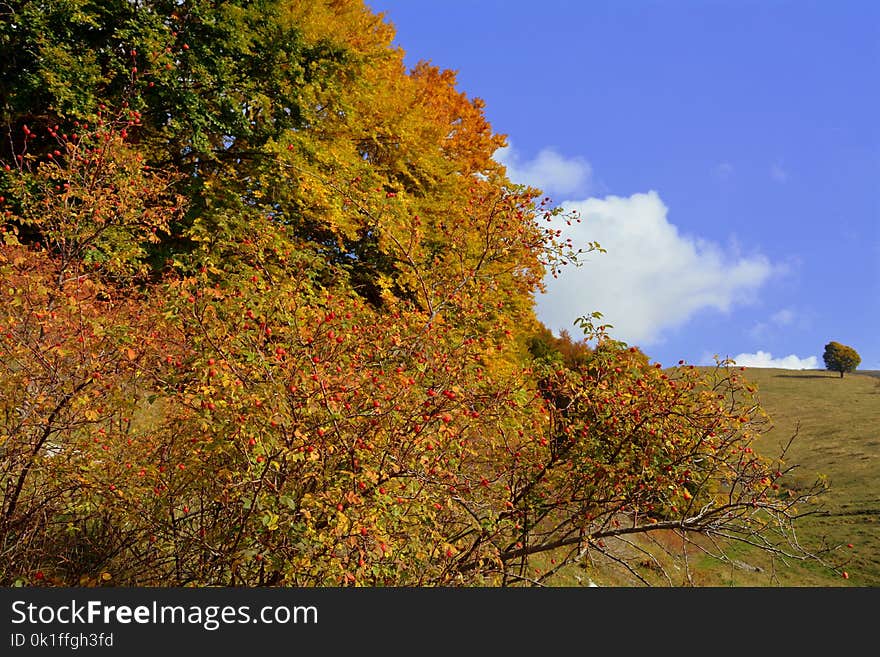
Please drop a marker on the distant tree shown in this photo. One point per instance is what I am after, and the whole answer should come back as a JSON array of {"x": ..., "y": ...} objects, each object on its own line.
[
  {"x": 840, "y": 358},
  {"x": 564, "y": 350}
]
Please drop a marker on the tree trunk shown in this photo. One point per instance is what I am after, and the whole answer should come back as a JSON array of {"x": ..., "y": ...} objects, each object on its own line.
[{"x": 841, "y": 374}]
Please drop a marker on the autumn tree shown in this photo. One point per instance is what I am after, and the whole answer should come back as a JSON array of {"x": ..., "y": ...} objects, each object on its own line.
[{"x": 840, "y": 358}]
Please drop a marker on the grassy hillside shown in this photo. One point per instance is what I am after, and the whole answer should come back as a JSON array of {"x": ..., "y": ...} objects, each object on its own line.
[{"x": 837, "y": 422}]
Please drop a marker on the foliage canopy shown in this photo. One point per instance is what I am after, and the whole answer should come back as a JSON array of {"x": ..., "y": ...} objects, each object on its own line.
[{"x": 840, "y": 358}]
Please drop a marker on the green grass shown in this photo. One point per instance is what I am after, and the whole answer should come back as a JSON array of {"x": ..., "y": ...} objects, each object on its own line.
[
  {"x": 838, "y": 426},
  {"x": 837, "y": 422}
]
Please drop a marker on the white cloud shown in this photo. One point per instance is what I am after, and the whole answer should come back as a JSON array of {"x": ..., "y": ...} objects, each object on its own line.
[
  {"x": 779, "y": 319},
  {"x": 778, "y": 174},
  {"x": 765, "y": 359},
  {"x": 783, "y": 317},
  {"x": 653, "y": 279},
  {"x": 550, "y": 171}
]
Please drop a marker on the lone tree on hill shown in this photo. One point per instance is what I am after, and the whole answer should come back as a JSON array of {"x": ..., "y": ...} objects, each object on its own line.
[{"x": 840, "y": 358}]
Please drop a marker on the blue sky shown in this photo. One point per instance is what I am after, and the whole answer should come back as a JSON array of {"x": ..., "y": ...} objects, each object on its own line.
[{"x": 725, "y": 153}]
